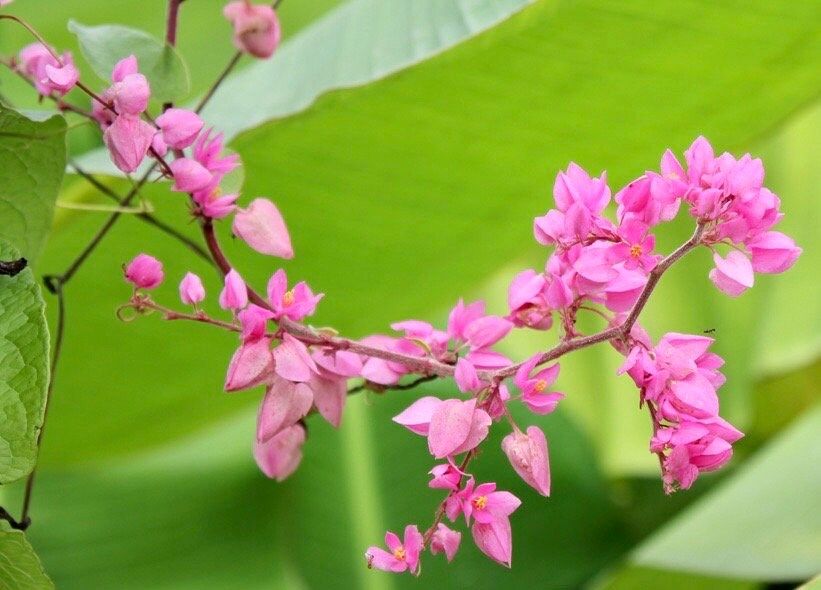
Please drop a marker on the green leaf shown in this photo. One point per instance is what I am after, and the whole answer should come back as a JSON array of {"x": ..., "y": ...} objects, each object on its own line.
[
  {"x": 104, "y": 45},
  {"x": 20, "y": 568},
  {"x": 32, "y": 161},
  {"x": 639, "y": 577},
  {"x": 762, "y": 524},
  {"x": 23, "y": 370}
]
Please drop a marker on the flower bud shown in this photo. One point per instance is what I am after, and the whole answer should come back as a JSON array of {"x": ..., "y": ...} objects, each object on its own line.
[
  {"x": 124, "y": 67},
  {"x": 131, "y": 95},
  {"x": 445, "y": 540},
  {"x": 773, "y": 252},
  {"x": 62, "y": 79},
  {"x": 256, "y": 28},
  {"x": 144, "y": 272},
  {"x": 128, "y": 139},
  {"x": 261, "y": 226},
  {"x": 279, "y": 456},
  {"x": 179, "y": 127},
  {"x": 189, "y": 175},
  {"x": 191, "y": 289},
  {"x": 734, "y": 274},
  {"x": 528, "y": 456},
  {"x": 234, "y": 294}
]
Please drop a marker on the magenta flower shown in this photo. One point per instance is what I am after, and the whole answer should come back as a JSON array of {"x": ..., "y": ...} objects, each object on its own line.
[
  {"x": 125, "y": 67},
  {"x": 189, "y": 175},
  {"x": 179, "y": 127},
  {"x": 773, "y": 252},
  {"x": 212, "y": 202},
  {"x": 446, "y": 476},
  {"x": 280, "y": 455},
  {"x": 261, "y": 226},
  {"x": 128, "y": 139},
  {"x": 495, "y": 539},
  {"x": 191, "y": 290},
  {"x": 284, "y": 404},
  {"x": 295, "y": 304},
  {"x": 256, "y": 28},
  {"x": 456, "y": 427},
  {"x": 528, "y": 456},
  {"x": 293, "y": 361},
  {"x": 234, "y": 294},
  {"x": 251, "y": 365},
  {"x": 417, "y": 416},
  {"x": 207, "y": 151},
  {"x": 484, "y": 504},
  {"x": 445, "y": 540},
  {"x": 734, "y": 274},
  {"x": 535, "y": 394},
  {"x": 144, "y": 272},
  {"x": 636, "y": 249},
  {"x": 401, "y": 555},
  {"x": 330, "y": 393},
  {"x": 46, "y": 73},
  {"x": 254, "y": 320},
  {"x": 130, "y": 95},
  {"x": 467, "y": 380},
  {"x": 527, "y": 301},
  {"x": 342, "y": 363}
]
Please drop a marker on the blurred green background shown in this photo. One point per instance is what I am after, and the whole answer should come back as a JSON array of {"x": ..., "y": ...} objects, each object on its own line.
[{"x": 401, "y": 196}]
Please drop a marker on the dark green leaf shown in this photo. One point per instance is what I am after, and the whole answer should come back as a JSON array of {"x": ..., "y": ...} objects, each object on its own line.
[{"x": 20, "y": 568}]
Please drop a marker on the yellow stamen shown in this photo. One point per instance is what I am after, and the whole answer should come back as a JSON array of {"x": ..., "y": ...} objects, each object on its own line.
[
  {"x": 288, "y": 298},
  {"x": 540, "y": 385},
  {"x": 480, "y": 502},
  {"x": 399, "y": 553},
  {"x": 635, "y": 250}
]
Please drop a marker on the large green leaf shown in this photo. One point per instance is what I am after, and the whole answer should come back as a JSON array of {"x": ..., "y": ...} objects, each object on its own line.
[
  {"x": 23, "y": 370},
  {"x": 32, "y": 160},
  {"x": 104, "y": 45},
  {"x": 20, "y": 568},
  {"x": 764, "y": 523}
]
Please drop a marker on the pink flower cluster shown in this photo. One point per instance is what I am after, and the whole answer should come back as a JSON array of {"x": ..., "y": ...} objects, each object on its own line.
[{"x": 47, "y": 73}]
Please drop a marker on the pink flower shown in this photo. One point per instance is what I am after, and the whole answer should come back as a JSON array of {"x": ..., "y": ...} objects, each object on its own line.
[
  {"x": 528, "y": 456},
  {"x": 189, "y": 175},
  {"x": 234, "y": 294},
  {"x": 527, "y": 302},
  {"x": 47, "y": 73},
  {"x": 484, "y": 504},
  {"x": 251, "y": 365},
  {"x": 466, "y": 377},
  {"x": 535, "y": 394},
  {"x": 212, "y": 202},
  {"x": 456, "y": 427},
  {"x": 636, "y": 249},
  {"x": 773, "y": 252},
  {"x": 293, "y": 361},
  {"x": 417, "y": 416},
  {"x": 402, "y": 555},
  {"x": 342, "y": 363},
  {"x": 254, "y": 320},
  {"x": 207, "y": 151},
  {"x": 256, "y": 28},
  {"x": 131, "y": 95},
  {"x": 734, "y": 274},
  {"x": 144, "y": 272},
  {"x": 179, "y": 127},
  {"x": 330, "y": 393},
  {"x": 495, "y": 539},
  {"x": 280, "y": 455},
  {"x": 128, "y": 139},
  {"x": 261, "y": 226},
  {"x": 191, "y": 290},
  {"x": 445, "y": 477},
  {"x": 445, "y": 540},
  {"x": 62, "y": 79},
  {"x": 125, "y": 67},
  {"x": 295, "y": 304},
  {"x": 284, "y": 404}
]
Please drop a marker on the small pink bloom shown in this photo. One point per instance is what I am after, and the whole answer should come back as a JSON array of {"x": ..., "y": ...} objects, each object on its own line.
[
  {"x": 624, "y": 290},
  {"x": 207, "y": 151},
  {"x": 131, "y": 95},
  {"x": 401, "y": 555},
  {"x": 144, "y": 272},
  {"x": 445, "y": 540},
  {"x": 734, "y": 274},
  {"x": 125, "y": 67},
  {"x": 293, "y": 361},
  {"x": 284, "y": 404},
  {"x": 527, "y": 302},
  {"x": 189, "y": 175},
  {"x": 296, "y": 304},
  {"x": 466, "y": 377},
  {"x": 445, "y": 477},
  {"x": 254, "y": 320},
  {"x": 495, "y": 539},
  {"x": 338, "y": 362},
  {"x": 486, "y": 331},
  {"x": 417, "y": 416},
  {"x": 251, "y": 365},
  {"x": 261, "y": 226},
  {"x": 528, "y": 456},
  {"x": 158, "y": 145},
  {"x": 62, "y": 79},
  {"x": 330, "y": 394},
  {"x": 456, "y": 427},
  {"x": 535, "y": 394},
  {"x": 128, "y": 139},
  {"x": 773, "y": 252},
  {"x": 636, "y": 249},
  {"x": 461, "y": 316},
  {"x": 234, "y": 294},
  {"x": 485, "y": 504},
  {"x": 279, "y": 456},
  {"x": 212, "y": 202},
  {"x": 179, "y": 127},
  {"x": 191, "y": 290},
  {"x": 256, "y": 28}
]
